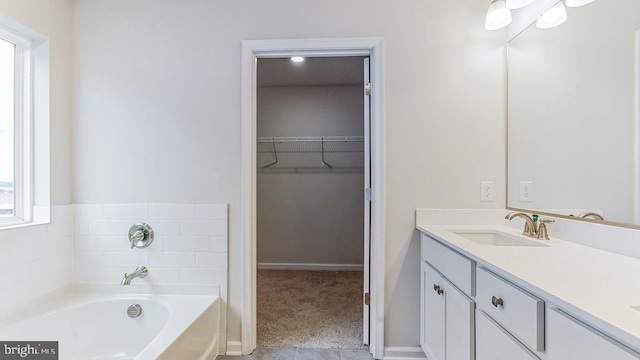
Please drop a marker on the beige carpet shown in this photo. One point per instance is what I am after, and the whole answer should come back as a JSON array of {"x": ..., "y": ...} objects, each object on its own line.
[{"x": 310, "y": 309}]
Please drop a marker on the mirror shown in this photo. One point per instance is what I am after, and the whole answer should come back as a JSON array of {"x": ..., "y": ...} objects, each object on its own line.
[{"x": 573, "y": 94}]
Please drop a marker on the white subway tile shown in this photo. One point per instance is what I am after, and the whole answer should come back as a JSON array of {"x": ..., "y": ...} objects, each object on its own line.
[
  {"x": 109, "y": 227},
  {"x": 87, "y": 212},
  {"x": 218, "y": 243},
  {"x": 13, "y": 275},
  {"x": 59, "y": 229},
  {"x": 172, "y": 260},
  {"x": 80, "y": 227},
  {"x": 171, "y": 211},
  {"x": 125, "y": 211},
  {"x": 128, "y": 259},
  {"x": 30, "y": 234},
  {"x": 97, "y": 243},
  {"x": 211, "y": 260},
  {"x": 103, "y": 275},
  {"x": 125, "y": 245},
  {"x": 164, "y": 275},
  {"x": 202, "y": 276},
  {"x": 28, "y": 252},
  {"x": 211, "y": 211},
  {"x": 48, "y": 265},
  {"x": 203, "y": 227},
  {"x": 88, "y": 259},
  {"x": 186, "y": 243},
  {"x": 164, "y": 227},
  {"x": 62, "y": 213}
]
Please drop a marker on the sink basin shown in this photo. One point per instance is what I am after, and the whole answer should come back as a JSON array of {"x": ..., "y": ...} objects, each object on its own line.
[
  {"x": 636, "y": 308},
  {"x": 496, "y": 238}
]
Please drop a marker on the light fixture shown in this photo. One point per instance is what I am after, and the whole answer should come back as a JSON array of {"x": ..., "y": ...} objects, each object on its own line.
[
  {"x": 552, "y": 17},
  {"x": 576, "y": 3},
  {"x": 517, "y": 4},
  {"x": 297, "y": 59},
  {"x": 498, "y": 16}
]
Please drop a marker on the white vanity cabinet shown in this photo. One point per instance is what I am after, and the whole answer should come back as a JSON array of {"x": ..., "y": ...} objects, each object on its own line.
[
  {"x": 446, "y": 313},
  {"x": 568, "y": 338},
  {"x": 495, "y": 343}
]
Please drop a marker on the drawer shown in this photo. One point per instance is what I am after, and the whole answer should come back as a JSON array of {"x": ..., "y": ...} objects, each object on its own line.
[
  {"x": 494, "y": 343},
  {"x": 521, "y": 313},
  {"x": 456, "y": 268}
]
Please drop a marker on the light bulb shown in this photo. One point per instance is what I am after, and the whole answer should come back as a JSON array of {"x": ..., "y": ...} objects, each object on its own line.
[
  {"x": 517, "y": 4},
  {"x": 498, "y": 16},
  {"x": 297, "y": 59},
  {"x": 552, "y": 17}
]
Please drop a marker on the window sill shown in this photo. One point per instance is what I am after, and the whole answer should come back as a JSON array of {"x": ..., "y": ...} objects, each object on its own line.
[{"x": 41, "y": 216}]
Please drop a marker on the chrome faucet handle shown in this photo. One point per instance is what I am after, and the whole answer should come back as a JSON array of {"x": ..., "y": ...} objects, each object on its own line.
[{"x": 543, "y": 234}]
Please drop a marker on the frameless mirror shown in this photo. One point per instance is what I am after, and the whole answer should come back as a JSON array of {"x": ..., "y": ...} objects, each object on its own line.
[{"x": 573, "y": 129}]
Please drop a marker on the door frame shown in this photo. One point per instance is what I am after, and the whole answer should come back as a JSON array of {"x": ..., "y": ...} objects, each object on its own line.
[{"x": 251, "y": 51}]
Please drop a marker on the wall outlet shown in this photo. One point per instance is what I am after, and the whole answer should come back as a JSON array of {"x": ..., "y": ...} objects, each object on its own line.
[
  {"x": 526, "y": 191},
  {"x": 486, "y": 191}
]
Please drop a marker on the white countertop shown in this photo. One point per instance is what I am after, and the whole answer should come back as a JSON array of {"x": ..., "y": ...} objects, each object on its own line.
[{"x": 594, "y": 285}]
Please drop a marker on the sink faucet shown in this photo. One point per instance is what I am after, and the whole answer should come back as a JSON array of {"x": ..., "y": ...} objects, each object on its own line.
[
  {"x": 591, "y": 215},
  {"x": 141, "y": 272},
  {"x": 532, "y": 228}
]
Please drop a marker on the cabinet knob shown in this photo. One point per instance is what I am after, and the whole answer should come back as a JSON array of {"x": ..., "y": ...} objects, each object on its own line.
[
  {"x": 437, "y": 289},
  {"x": 496, "y": 301}
]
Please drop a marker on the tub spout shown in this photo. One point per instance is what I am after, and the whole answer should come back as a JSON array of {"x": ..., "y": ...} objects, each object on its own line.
[{"x": 141, "y": 272}]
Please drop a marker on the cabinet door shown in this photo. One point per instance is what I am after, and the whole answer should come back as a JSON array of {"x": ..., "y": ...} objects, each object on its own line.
[
  {"x": 460, "y": 326},
  {"x": 433, "y": 314},
  {"x": 494, "y": 343},
  {"x": 569, "y": 339}
]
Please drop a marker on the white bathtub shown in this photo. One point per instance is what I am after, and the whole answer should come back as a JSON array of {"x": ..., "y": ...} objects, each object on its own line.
[{"x": 91, "y": 327}]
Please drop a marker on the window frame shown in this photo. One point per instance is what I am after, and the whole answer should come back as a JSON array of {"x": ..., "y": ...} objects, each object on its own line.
[{"x": 31, "y": 125}]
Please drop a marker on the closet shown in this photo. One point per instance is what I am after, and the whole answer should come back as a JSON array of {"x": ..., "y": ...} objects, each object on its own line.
[{"x": 310, "y": 202}]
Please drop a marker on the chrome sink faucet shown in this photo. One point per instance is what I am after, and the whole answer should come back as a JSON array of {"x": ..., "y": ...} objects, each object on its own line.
[
  {"x": 141, "y": 272},
  {"x": 532, "y": 228}
]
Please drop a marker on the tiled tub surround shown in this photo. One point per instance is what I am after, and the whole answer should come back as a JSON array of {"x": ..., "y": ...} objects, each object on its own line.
[
  {"x": 35, "y": 261},
  {"x": 187, "y": 256}
]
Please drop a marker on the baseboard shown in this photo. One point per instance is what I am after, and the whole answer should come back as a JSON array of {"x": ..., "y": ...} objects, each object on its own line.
[
  {"x": 234, "y": 348},
  {"x": 325, "y": 267},
  {"x": 403, "y": 353}
]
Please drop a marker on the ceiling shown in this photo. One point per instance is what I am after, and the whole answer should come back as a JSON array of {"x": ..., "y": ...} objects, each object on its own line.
[{"x": 314, "y": 71}]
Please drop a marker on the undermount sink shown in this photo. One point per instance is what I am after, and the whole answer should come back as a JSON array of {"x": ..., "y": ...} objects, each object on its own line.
[{"x": 496, "y": 238}]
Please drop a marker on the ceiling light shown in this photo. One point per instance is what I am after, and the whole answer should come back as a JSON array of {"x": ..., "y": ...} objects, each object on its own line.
[
  {"x": 517, "y": 4},
  {"x": 297, "y": 59},
  {"x": 576, "y": 3},
  {"x": 552, "y": 17},
  {"x": 498, "y": 16}
]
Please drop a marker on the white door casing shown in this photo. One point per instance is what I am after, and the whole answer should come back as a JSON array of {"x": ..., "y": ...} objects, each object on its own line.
[
  {"x": 251, "y": 51},
  {"x": 367, "y": 200}
]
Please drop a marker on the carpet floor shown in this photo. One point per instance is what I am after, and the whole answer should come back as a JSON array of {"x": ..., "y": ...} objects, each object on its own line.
[{"x": 310, "y": 309}]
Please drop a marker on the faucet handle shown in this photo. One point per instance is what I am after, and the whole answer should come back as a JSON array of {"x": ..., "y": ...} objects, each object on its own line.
[{"x": 543, "y": 234}]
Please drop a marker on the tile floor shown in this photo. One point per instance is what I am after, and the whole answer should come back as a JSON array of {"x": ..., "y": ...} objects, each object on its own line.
[{"x": 301, "y": 354}]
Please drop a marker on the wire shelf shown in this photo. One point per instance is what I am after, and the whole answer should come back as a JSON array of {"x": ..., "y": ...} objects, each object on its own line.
[{"x": 327, "y": 151}]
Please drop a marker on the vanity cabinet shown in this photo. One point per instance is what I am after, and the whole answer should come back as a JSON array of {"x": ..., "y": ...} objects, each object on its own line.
[
  {"x": 494, "y": 343},
  {"x": 568, "y": 338},
  {"x": 446, "y": 313}
]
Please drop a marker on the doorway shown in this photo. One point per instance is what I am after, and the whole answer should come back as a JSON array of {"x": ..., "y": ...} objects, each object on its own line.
[
  {"x": 312, "y": 172},
  {"x": 252, "y": 51}
]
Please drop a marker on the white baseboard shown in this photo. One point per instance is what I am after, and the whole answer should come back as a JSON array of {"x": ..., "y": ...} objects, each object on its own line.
[
  {"x": 325, "y": 267},
  {"x": 234, "y": 348},
  {"x": 403, "y": 353}
]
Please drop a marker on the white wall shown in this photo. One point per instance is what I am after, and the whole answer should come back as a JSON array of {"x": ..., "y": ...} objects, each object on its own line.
[
  {"x": 308, "y": 213},
  {"x": 35, "y": 261},
  {"x": 157, "y": 111}
]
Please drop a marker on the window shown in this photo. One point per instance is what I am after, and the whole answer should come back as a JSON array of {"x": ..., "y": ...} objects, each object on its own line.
[
  {"x": 24, "y": 125},
  {"x": 7, "y": 121}
]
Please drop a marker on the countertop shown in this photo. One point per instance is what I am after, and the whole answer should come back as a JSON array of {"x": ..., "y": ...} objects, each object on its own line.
[{"x": 597, "y": 286}]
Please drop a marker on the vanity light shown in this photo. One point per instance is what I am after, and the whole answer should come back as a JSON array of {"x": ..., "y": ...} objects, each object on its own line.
[
  {"x": 498, "y": 16},
  {"x": 552, "y": 17},
  {"x": 297, "y": 59},
  {"x": 517, "y": 4},
  {"x": 576, "y": 3}
]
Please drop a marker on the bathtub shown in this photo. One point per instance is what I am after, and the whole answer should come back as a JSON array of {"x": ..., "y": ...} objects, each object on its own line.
[{"x": 92, "y": 327}]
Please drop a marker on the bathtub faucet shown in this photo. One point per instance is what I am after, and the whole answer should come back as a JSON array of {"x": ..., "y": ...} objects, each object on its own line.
[{"x": 141, "y": 271}]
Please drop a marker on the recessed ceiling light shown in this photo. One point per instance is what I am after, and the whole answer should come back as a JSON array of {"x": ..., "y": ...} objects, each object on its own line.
[{"x": 297, "y": 59}]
